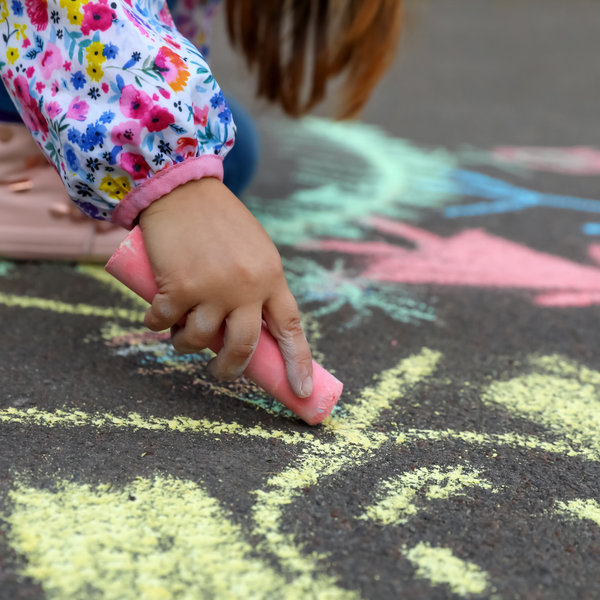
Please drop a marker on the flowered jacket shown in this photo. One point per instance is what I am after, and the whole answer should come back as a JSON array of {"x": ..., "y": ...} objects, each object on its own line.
[{"x": 123, "y": 105}]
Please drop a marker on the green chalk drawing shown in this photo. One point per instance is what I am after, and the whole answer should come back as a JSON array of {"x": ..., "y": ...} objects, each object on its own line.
[
  {"x": 351, "y": 171},
  {"x": 6, "y": 267},
  {"x": 310, "y": 282}
]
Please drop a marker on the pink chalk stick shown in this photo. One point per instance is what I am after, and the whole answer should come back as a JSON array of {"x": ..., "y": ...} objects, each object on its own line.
[{"x": 130, "y": 265}]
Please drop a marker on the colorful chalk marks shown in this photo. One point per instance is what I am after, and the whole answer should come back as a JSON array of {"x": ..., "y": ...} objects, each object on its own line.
[
  {"x": 163, "y": 537},
  {"x": 168, "y": 538},
  {"x": 348, "y": 173},
  {"x": 339, "y": 287},
  {"x": 472, "y": 258}
]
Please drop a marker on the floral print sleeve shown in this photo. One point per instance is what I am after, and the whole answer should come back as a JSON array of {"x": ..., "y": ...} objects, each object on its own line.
[{"x": 125, "y": 107}]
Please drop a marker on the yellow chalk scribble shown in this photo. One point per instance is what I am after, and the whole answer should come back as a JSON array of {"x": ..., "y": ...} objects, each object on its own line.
[
  {"x": 567, "y": 403},
  {"x": 152, "y": 540},
  {"x": 353, "y": 441},
  {"x": 490, "y": 440},
  {"x": 73, "y": 309},
  {"x": 135, "y": 421},
  {"x": 398, "y": 497},
  {"x": 581, "y": 509},
  {"x": 441, "y": 567}
]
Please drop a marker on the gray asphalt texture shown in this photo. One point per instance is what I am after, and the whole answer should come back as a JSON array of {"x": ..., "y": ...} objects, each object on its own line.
[{"x": 470, "y": 72}]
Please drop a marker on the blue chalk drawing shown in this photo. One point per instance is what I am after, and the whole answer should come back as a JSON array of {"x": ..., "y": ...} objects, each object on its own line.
[
  {"x": 506, "y": 197},
  {"x": 591, "y": 228}
]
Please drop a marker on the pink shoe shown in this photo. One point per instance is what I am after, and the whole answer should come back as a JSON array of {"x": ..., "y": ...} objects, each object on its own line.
[{"x": 37, "y": 218}]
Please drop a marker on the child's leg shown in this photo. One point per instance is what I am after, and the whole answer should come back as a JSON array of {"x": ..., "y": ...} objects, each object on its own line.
[
  {"x": 8, "y": 111},
  {"x": 241, "y": 163},
  {"x": 35, "y": 219}
]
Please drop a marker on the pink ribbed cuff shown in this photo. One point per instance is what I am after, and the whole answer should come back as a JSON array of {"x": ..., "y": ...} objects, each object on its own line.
[{"x": 164, "y": 182}]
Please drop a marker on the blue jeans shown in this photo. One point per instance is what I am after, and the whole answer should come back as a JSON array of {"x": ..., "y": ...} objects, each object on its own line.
[{"x": 239, "y": 165}]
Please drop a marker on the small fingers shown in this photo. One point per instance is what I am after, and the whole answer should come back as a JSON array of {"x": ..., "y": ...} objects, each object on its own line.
[
  {"x": 165, "y": 310},
  {"x": 283, "y": 318},
  {"x": 242, "y": 332},
  {"x": 201, "y": 326}
]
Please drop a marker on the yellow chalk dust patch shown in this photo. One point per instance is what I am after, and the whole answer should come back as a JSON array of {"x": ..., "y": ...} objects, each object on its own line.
[
  {"x": 398, "y": 497},
  {"x": 161, "y": 539},
  {"x": 566, "y": 401},
  {"x": 581, "y": 509},
  {"x": 565, "y": 367},
  {"x": 440, "y": 566}
]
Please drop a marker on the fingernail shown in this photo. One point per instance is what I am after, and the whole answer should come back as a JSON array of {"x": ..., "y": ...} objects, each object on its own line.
[{"x": 307, "y": 387}]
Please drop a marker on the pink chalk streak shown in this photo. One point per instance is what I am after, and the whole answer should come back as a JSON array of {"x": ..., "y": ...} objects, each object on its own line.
[
  {"x": 568, "y": 161},
  {"x": 473, "y": 258}
]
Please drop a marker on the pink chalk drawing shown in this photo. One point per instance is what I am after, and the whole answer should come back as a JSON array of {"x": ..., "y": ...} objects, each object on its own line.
[
  {"x": 579, "y": 160},
  {"x": 473, "y": 258}
]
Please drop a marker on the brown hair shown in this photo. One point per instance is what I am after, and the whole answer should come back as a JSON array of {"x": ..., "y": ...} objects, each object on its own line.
[{"x": 354, "y": 37}]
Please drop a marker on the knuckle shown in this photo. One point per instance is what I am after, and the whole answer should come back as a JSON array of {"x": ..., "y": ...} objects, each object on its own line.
[
  {"x": 152, "y": 322},
  {"x": 184, "y": 288},
  {"x": 197, "y": 342},
  {"x": 241, "y": 352},
  {"x": 248, "y": 275},
  {"x": 293, "y": 328}
]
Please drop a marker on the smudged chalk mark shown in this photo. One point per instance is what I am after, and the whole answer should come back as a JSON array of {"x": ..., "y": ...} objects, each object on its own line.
[
  {"x": 6, "y": 267},
  {"x": 441, "y": 567},
  {"x": 579, "y": 160},
  {"x": 152, "y": 539},
  {"x": 398, "y": 498},
  {"x": 351, "y": 171},
  {"x": 474, "y": 258},
  {"x": 336, "y": 288},
  {"x": 591, "y": 228}
]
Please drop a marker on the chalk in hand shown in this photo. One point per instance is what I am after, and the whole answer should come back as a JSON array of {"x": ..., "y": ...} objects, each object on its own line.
[{"x": 130, "y": 265}]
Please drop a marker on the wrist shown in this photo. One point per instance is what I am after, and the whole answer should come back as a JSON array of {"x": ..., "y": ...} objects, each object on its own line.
[{"x": 193, "y": 192}]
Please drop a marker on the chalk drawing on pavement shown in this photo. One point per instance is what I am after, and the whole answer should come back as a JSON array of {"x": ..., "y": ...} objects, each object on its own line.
[
  {"x": 557, "y": 394},
  {"x": 441, "y": 567},
  {"x": 349, "y": 172},
  {"x": 339, "y": 287}
]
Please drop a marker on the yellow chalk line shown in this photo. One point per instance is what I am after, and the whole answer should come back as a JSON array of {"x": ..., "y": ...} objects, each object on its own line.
[
  {"x": 440, "y": 566},
  {"x": 353, "y": 443},
  {"x": 397, "y": 497},
  {"x": 73, "y": 309},
  {"x": 580, "y": 509},
  {"x": 496, "y": 439},
  {"x": 151, "y": 540},
  {"x": 135, "y": 421}
]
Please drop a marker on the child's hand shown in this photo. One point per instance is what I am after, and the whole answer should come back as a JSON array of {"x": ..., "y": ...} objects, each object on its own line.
[{"x": 211, "y": 258}]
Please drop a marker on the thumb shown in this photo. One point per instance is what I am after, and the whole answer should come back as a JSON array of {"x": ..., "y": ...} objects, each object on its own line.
[{"x": 283, "y": 319}]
